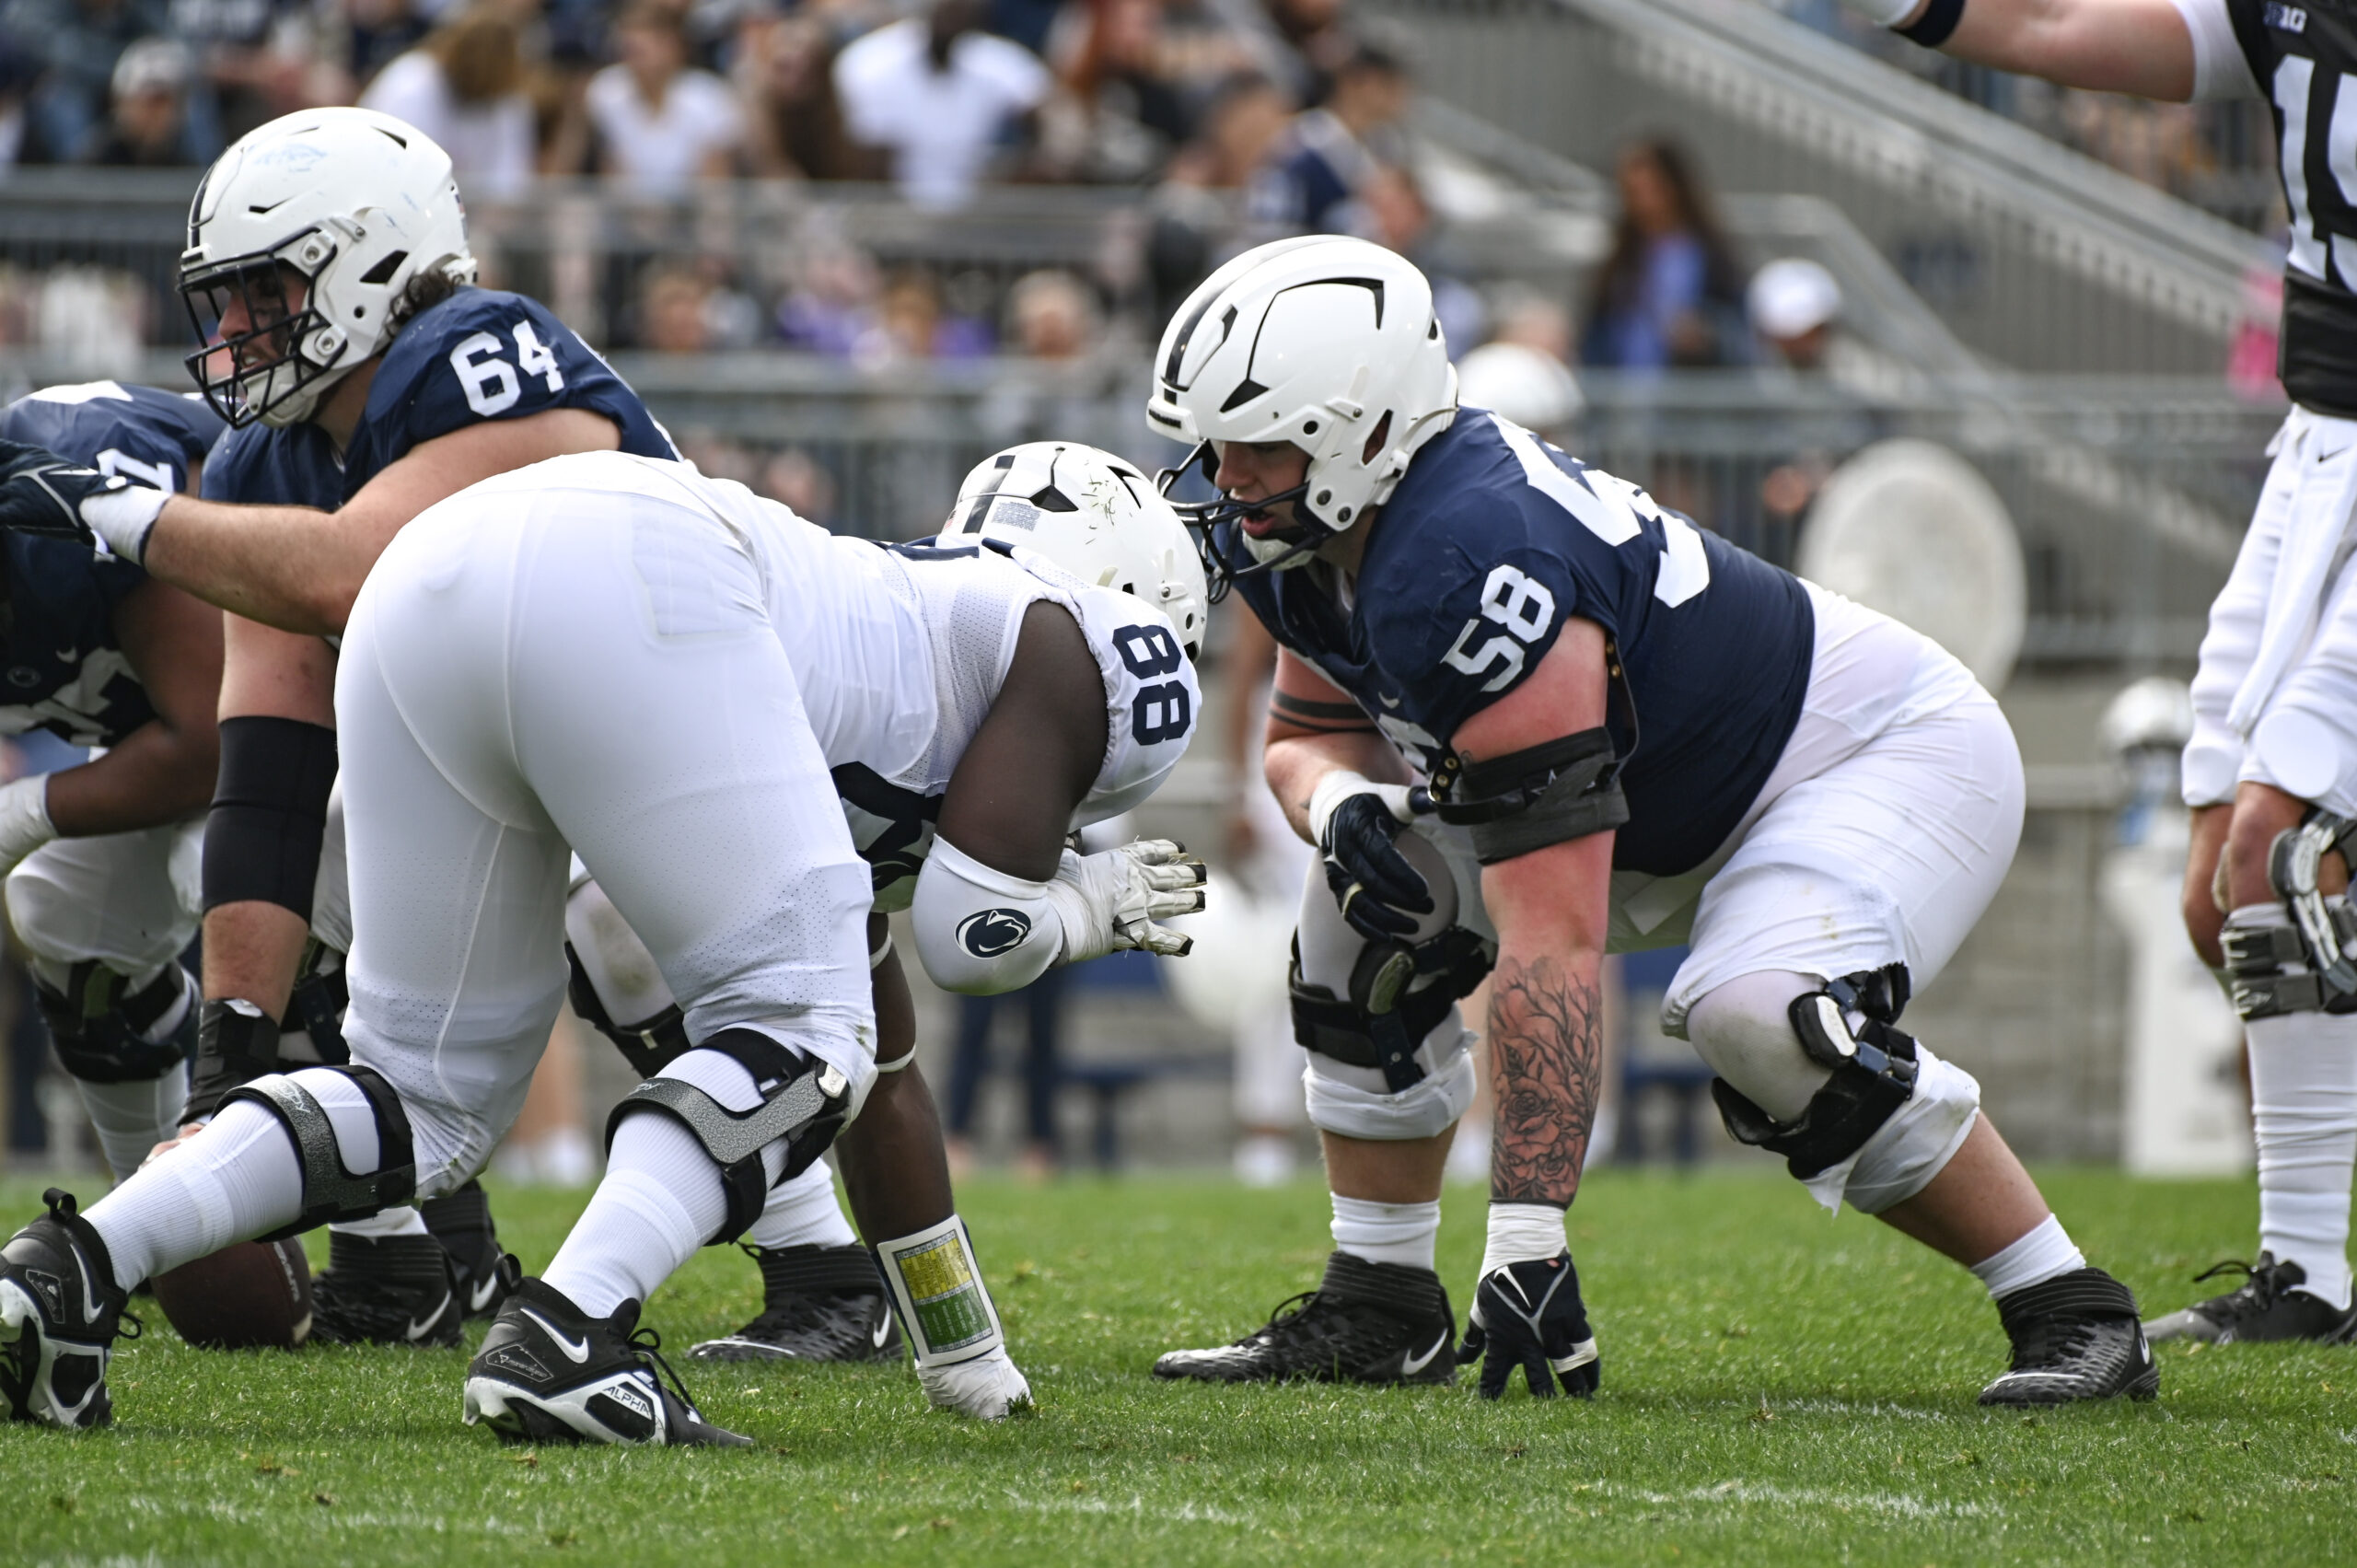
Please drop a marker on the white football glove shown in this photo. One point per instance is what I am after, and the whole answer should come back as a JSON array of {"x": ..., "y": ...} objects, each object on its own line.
[
  {"x": 986, "y": 1387},
  {"x": 24, "y": 820},
  {"x": 1107, "y": 903}
]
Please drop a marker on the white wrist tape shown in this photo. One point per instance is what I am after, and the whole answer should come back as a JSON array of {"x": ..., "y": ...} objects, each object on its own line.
[
  {"x": 1340, "y": 786},
  {"x": 979, "y": 931},
  {"x": 123, "y": 518},
  {"x": 24, "y": 820},
  {"x": 1885, "y": 14},
  {"x": 939, "y": 1294},
  {"x": 1522, "y": 1232}
]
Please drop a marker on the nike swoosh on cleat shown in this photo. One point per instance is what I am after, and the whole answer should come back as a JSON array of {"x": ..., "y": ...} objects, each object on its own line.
[
  {"x": 482, "y": 1295},
  {"x": 1410, "y": 1366},
  {"x": 883, "y": 1330},
  {"x": 417, "y": 1330},
  {"x": 90, "y": 1307},
  {"x": 578, "y": 1349}
]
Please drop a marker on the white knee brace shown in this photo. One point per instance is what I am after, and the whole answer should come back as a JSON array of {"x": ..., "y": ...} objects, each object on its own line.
[{"x": 1744, "y": 1030}]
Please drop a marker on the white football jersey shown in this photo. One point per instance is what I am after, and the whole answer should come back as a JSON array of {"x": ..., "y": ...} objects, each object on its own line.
[{"x": 902, "y": 650}]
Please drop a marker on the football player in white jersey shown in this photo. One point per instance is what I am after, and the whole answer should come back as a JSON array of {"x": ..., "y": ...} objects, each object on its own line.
[
  {"x": 482, "y": 664},
  {"x": 2271, "y": 770}
]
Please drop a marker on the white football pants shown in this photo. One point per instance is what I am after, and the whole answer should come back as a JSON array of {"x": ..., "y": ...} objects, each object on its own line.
[{"x": 523, "y": 679}]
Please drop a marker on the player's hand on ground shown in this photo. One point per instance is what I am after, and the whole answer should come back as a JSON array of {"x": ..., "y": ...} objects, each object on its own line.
[
  {"x": 1114, "y": 898},
  {"x": 41, "y": 492},
  {"x": 988, "y": 1387},
  {"x": 1530, "y": 1315},
  {"x": 1358, "y": 833}
]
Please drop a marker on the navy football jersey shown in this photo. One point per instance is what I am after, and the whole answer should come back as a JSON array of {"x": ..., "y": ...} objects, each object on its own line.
[
  {"x": 61, "y": 667},
  {"x": 1490, "y": 541},
  {"x": 480, "y": 355}
]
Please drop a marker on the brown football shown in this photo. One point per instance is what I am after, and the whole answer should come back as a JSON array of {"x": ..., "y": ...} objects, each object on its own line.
[{"x": 247, "y": 1295}]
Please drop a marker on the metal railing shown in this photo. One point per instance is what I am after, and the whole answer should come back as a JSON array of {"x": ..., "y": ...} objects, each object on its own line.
[{"x": 2040, "y": 259}]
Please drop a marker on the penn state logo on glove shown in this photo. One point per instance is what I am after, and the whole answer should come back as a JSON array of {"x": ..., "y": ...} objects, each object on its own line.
[{"x": 990, "y": 932}]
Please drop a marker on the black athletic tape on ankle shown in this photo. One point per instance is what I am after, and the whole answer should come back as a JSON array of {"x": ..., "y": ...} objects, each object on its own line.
[
  {"x": 819, "y": 1271},
  {"x": 270, "y": 813},
  {"x": 1932, "y": 29},
  {"x": 2081, "y": 1293}
]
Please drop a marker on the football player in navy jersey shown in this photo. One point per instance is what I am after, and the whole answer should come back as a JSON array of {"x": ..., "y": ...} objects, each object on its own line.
[
  {"x": 2270, "y": 774},
  {"x": 102, "y": 894},
  {"x": 1528, "y": 715},
  {"x": 330, "y": 277}
]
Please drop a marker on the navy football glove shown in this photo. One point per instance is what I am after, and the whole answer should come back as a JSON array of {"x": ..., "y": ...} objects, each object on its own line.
[
  {"x": 41, "y": 493},
  {"x": 1530, "y": 1315},
  {"x": 1380, "y": 894}
]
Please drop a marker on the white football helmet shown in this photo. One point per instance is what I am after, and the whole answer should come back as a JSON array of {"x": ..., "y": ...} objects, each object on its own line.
[
  {"x": 1092, "y": 514},
  {"x": 356, "y": 204},
  {"x": 1327, "y": 342}
]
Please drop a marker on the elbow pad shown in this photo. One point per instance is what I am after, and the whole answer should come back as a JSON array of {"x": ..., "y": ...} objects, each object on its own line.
[{"x": 979, "y": 931}]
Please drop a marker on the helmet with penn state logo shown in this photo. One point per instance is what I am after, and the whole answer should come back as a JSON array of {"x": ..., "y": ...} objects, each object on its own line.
[
  {"x": 309, "y": 242},
  {"x": 1092, "y": 514},
  {"x": 1327, "y": 342}
]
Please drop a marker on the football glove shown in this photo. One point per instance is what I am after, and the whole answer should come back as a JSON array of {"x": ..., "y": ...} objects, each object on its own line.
[
  {"x": 1358, "y": 824},
  {"x": 1530, "y": 1315},
  {"x": 43, "y": 494},
  {"x": 1109, "y": 901}
]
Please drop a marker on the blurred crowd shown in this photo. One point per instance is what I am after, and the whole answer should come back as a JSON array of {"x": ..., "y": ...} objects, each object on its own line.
[{"x": 1289, "y": 96}]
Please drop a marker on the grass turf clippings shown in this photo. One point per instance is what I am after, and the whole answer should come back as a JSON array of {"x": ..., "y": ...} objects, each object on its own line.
[{"x": 1778, "y": 1387}]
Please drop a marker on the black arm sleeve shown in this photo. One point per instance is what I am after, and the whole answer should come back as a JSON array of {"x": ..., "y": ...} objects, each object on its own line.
[{"x": 270, "y": 813}]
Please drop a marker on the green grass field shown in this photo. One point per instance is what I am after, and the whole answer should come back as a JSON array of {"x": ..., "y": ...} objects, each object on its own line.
[{"x": 1778, "y": 1387}]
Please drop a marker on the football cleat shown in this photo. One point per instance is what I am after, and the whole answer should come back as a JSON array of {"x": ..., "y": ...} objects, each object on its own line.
[
  {"x": 59, "y": 1314},
  {"x": 817, "y": 1304},
  {"x": 550, "y": 1373},
  {"x": 2268, "y": 1304},
  {"x": 461, "y": 1221},
  {"x": 1530, "y": 1315},
  {"x": 388, "y": 1290},
  {"x": 1365, "y": 1323},
  {"x": 2075, "y": 1336}
]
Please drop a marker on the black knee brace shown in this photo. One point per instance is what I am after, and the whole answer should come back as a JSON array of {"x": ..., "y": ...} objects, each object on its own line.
[
  {"x": 803, "y": 1101},
  {"x": 332, "y": 1189},
  {"x": 101, "y": 1032},
  {"x": 1873, "y": 1074},
  {"x": 1382, "y": 1021},
  {"x": 648, "y": 1047}
]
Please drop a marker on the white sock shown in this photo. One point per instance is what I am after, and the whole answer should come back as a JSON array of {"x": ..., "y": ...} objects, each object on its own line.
[
  {"x": 1521, "y": 1233},
  {"x": 239, "y": 1178},
  {"x": 804, "y": 1212},
  {"x": 2040, "y": 1255},
  {"x": 2304, "y": 1109},
  {"x": 131, "y": 1119},
  {"x": 404, "y": 1221},
  {"x": 1387, "y": 1233},
  {"x": 661, "y": 1199}
]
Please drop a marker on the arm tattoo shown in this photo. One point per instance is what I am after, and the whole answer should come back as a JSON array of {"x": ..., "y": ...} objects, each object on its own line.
[{"x": 1547, "y": 1062}]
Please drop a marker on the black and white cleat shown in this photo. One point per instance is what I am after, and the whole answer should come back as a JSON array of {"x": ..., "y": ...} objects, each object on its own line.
[
  {"x": 61, "y": 1313},
  {"x": 2075, "y": 1336},
  {"x": 1365, "y": 1323},
  {"x": 817, "y": 1304},
  {"x": 390, "y": 1290},
  {"x": 462, "y": 1222},
  {"x": 550, "y": 1373},
  {"x": 2268, "y": 1304}
]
